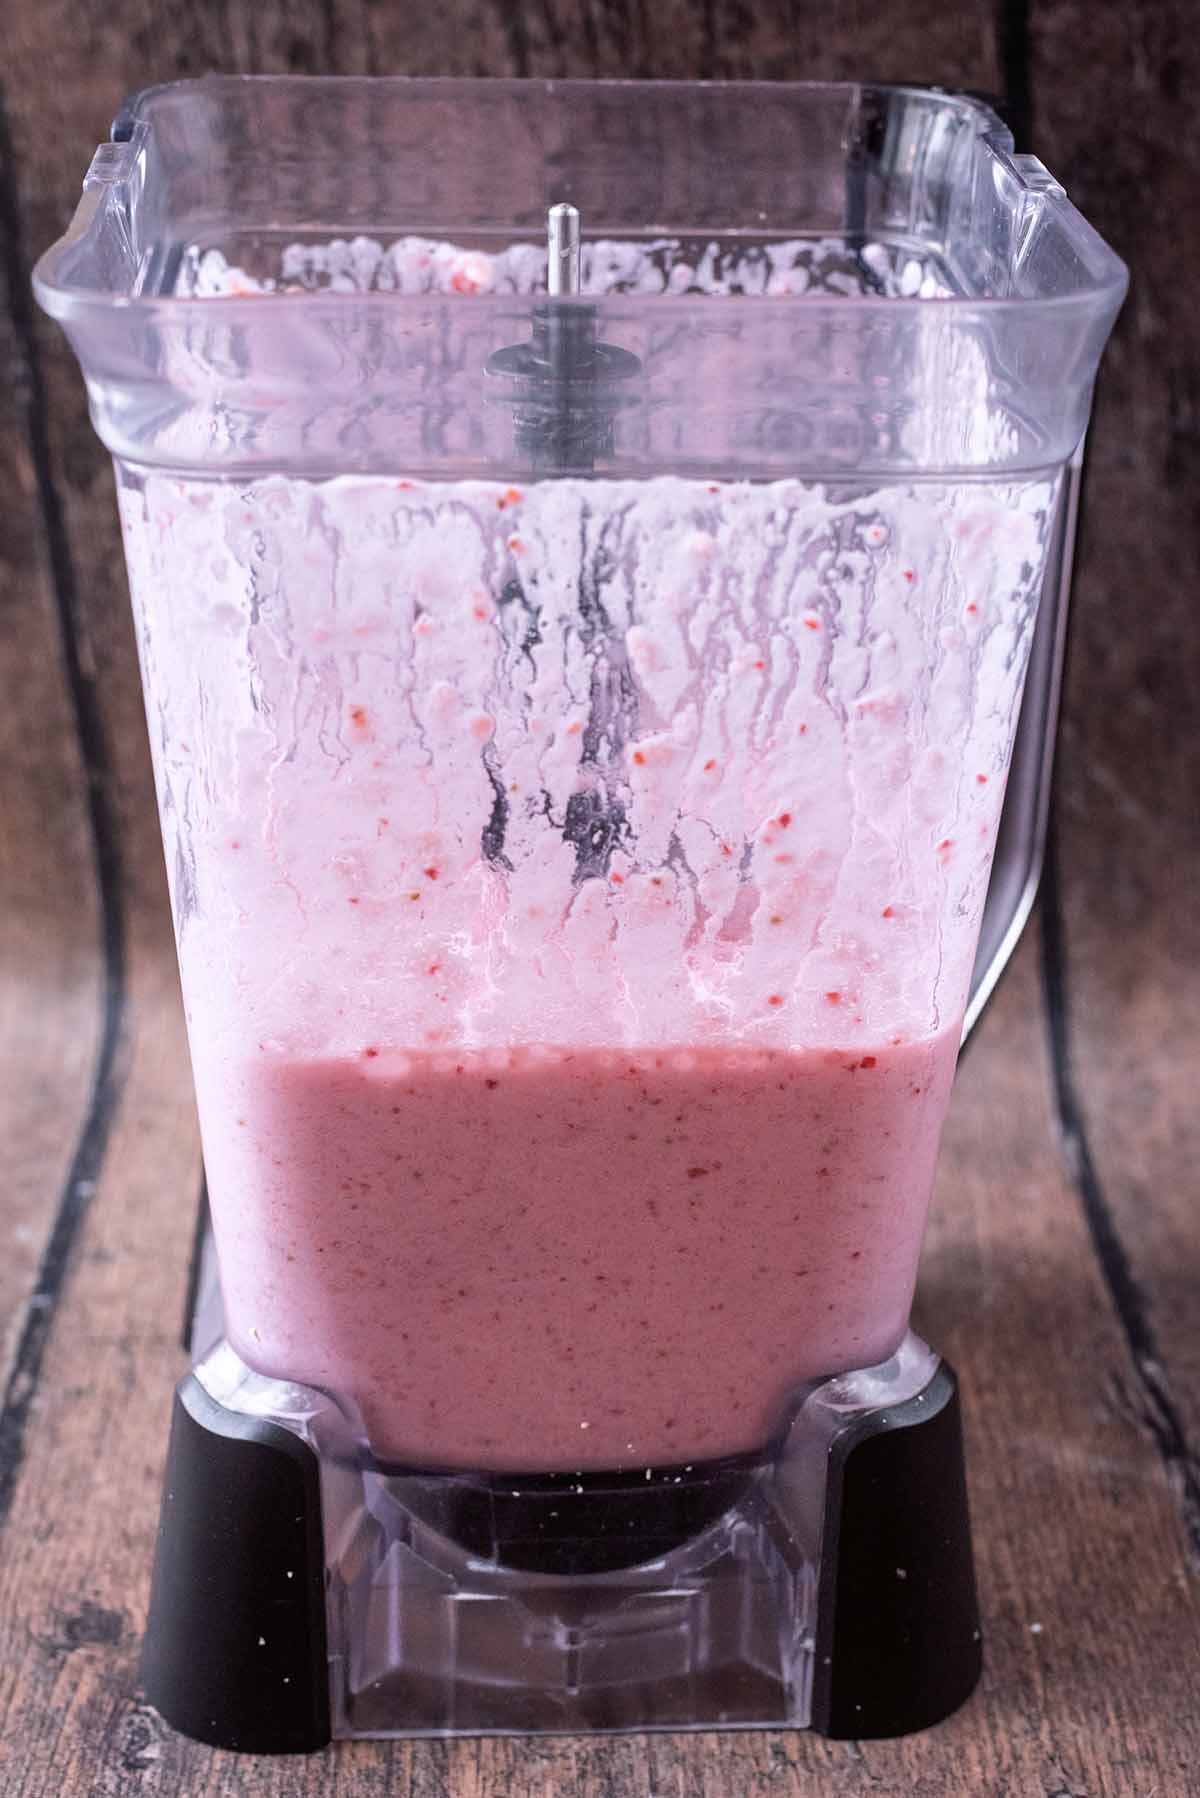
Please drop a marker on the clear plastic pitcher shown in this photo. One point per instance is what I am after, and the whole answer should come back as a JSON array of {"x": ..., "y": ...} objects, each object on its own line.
[{"x": 582, "y": 718}]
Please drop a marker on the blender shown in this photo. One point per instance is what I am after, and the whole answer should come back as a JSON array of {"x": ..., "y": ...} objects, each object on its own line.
[{"x": 586, "y": 543}]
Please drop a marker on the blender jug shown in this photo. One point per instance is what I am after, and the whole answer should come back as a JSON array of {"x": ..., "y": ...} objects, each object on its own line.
[{"x": 582, "y": 675}]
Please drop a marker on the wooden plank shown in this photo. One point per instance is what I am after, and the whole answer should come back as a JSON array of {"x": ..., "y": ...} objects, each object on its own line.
[
  {"x": 50, "y": 952},
  {"x": 1129, "y": 822}
]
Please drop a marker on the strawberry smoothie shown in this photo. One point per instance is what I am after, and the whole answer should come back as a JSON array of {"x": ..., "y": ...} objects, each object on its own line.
[
  {"x": 576, "y": 892},
  {"x": 578, "y": 1259},
  {"x": 576, "y": 888}
]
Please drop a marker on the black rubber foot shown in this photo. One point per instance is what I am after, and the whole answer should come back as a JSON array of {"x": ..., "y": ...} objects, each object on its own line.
[
  {"x": 898, "y": 1639},
  {"x": 234, "y": 1651}
]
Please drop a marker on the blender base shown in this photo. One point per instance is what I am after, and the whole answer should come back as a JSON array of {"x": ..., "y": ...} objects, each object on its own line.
[{"x": 303, "y": 1593}]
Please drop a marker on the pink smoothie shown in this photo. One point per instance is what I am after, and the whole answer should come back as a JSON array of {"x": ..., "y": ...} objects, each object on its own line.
[
  {"x": 696, "y": 782},
  {"x": 576, "y": 1259}
]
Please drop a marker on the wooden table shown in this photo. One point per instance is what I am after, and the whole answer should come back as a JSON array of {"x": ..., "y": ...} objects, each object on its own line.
[{"x": 1063, "y": 1267}]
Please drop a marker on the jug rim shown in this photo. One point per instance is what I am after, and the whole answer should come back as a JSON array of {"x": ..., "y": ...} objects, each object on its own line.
[{"x": 114, "y": 177}]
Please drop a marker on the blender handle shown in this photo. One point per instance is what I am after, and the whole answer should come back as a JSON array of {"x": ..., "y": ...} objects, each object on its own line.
[{"x": 1021, "y": 842}]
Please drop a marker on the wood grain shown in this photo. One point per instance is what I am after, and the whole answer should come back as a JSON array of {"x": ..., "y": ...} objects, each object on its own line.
[
  {"x": 1067, "y": 1306},
  {"x": 51, "y": 971},
  {"x": 1129, "y": 767}
]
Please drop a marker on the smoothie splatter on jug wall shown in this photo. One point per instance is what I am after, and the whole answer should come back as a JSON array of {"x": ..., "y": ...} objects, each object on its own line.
[{"x": 577, "y": 885}]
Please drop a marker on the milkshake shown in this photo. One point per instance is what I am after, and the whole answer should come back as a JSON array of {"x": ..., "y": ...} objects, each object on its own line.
[
  {"x": 550, "y": 1259},
  {"x": 577, "y": 886}
]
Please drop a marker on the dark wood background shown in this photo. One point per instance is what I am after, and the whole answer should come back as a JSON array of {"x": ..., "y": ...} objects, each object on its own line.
[{"x": 1063, "y": 1266}]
